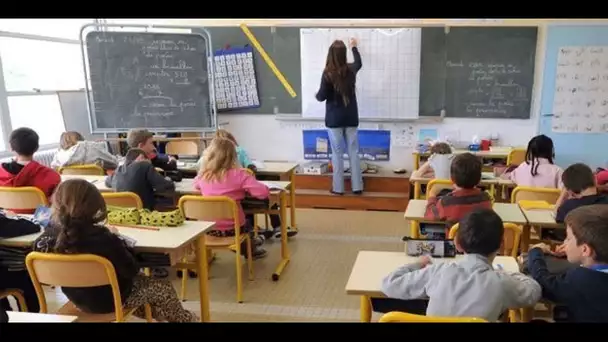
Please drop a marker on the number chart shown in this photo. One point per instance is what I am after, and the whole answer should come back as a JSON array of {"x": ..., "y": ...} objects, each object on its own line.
[{"x": 235, "y": 80}]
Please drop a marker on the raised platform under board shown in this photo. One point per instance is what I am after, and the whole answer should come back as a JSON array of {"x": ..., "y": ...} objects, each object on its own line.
[{"x": 384, "y": 191}]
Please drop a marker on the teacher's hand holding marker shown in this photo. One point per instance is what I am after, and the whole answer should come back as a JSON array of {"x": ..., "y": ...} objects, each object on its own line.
[{"x": 353, "y": 42}]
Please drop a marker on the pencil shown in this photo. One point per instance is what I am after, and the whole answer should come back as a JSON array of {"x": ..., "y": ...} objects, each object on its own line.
[{"x": 135, "y": 226}]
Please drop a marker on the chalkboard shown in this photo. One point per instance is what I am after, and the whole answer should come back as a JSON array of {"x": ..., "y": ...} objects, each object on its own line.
[
  {"x": 282, "y": 44},
  {"x": 154, "y": 80},
  {"x": 433, "y": 56},
  {"x": 490, "y": 72}
]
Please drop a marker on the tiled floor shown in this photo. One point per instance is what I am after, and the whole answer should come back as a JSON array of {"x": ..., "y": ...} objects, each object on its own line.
[{"x": 312, "y": 286}]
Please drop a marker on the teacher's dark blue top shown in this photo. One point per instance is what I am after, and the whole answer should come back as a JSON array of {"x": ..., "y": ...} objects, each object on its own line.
[{"x": 336, "y": 114}]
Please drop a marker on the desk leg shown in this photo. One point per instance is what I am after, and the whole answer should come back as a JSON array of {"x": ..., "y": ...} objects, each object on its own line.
[
  {"x": 366, "y": 309},
  {"x": 525, "y": 238},
  {"x": 292, "y": 201},
  {"x": 284, "y": 246},
  {"x": 417, "y": 190},
  {"x": 203, "y": 282}
]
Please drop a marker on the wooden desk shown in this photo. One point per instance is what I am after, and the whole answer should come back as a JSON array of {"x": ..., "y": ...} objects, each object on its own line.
[
  {"x": 508, "y": 212},
  {"x": 371, "y": 267},
  {"x": 500, "y": 153},
  {"x": 174, "y": 241},
  {"x": 487, "y": 179},
  {"x": 542, "y": 218},
  {"x": 30, "y": 317}
]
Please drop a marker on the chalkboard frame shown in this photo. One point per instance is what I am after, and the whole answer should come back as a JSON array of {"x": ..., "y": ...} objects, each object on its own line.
[{"x": 202, "y": 32}]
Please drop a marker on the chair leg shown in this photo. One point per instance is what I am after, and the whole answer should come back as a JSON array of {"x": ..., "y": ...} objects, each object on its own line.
[
  {"x": 267, "y": 219},
  {"x": 255, "y": 225},
  {"x": 148, "y": 313},
  {"x": 239, "y": 274},
  {"x": 249, "y": 258},
  {"x": 184, "y": 282}
]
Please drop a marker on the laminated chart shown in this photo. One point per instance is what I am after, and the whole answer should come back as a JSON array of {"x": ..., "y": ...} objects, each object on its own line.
[{"x": 235, "y": 79}]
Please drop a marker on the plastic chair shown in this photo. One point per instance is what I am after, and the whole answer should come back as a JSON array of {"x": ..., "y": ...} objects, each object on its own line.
[
  {"x": 82, "y": 170},
  {"x": 77, "y": 270},
  {"x": 516, "y": 156},
  {"x": 216, "y": 208},
  {"x": 123, "y": 199},
  {"x": 511, "y": 240},
  {"x": 22, "y": 198},
  {"x": 185, "y": 147},
  {"x": 549, "y": 195},
  {"x": 404, "y": 317},
  {"x": 18, "y": 295}
]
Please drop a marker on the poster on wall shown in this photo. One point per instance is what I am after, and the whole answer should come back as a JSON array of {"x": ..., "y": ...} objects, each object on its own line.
[
  {"x": 374, "y": 145},
  {"x": 580, "y": 104}
]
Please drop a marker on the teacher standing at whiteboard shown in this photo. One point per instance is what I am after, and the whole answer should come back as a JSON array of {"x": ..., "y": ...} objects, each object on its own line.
[{"x": 341, "y": 113}]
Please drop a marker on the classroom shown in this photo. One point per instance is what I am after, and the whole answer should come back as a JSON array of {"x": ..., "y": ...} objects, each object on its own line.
[{"x": 189, "y": 170}]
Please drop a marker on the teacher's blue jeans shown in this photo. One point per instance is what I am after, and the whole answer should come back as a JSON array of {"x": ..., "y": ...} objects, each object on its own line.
[{"x": 338, "y": 137}]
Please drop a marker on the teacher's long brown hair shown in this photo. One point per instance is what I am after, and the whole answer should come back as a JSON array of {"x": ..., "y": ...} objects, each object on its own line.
[{"x": 337, "y": 71}]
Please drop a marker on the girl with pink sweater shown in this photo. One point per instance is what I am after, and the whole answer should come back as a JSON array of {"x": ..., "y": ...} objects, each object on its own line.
[{"x": 221, "y": 175}]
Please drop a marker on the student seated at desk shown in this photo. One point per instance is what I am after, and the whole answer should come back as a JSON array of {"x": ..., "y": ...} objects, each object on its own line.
[
  {"x": 538, "y": 170},
  {"x": 469, "y": 287},
  {"x": 438, "y": 164},
  {"x": 601, "y": 178},
  {"x": 465, "y": 173},
  {"x": 74, "y": 150},
  {"x": 13, "y": 274},
  {"x": 579, "y": 190},
  {"x": 143, "y": 139},
  {"x": 138, "y": 175},
  {"x": 221, "y": 175},
  {"x": 24, "y": 170},
  {"x": 77, "y": 227},
  {"x": 582, "y": 290}
]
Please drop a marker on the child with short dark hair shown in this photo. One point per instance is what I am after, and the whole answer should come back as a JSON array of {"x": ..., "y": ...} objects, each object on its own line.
[
  {"x": 467, "y": 287},
  {"x": 77, "y": 227},
  {"x": 583, "y": 290},
  {"x": 138, "y": 175},
  {"x": 24, "y": 170},
  {"x": 465, "y": 173}
]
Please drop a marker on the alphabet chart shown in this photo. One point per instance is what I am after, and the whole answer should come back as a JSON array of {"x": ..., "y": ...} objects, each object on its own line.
[
  {"x": 235, "y": 80},
  {"x": 387, "y": 85},
  {"x": 580, "y": 104}
]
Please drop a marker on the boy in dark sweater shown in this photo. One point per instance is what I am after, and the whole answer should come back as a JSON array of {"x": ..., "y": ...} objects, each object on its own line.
[
  {"x": 465, "y": 172},
  {"x": 583, "y": 290},
  {"x": 138, "y": 175}
]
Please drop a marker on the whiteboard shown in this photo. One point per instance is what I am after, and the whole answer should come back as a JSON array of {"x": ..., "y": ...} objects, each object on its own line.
[
  {"x": 580, "y": 104},
  {"x": 388, "y": 84}
]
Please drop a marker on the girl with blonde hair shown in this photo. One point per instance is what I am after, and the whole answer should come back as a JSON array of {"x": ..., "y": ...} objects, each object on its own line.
[{"x": 222, "y": 175}]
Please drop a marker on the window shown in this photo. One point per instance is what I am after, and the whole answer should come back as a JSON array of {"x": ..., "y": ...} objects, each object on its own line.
[
  {"x": 41, "y": 113},
  {"x": 58, "y": 28},
  {"x": 35, "y": 64}
]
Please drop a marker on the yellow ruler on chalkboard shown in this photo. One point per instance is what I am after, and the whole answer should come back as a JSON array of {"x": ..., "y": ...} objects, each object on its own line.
[{"x": 268, "y": 60}]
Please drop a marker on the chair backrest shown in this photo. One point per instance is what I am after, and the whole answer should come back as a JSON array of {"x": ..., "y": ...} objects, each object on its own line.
[
  {"x": 185, "y": 147},
  {"x": 403, "y": 317},
  {"x": 22, "y": 198},
  {"x": 549, "y": 195},
  {"x": 210, "y": 208},
  {"x": 442, "y": 183},
  {"x": 72, "y": 270},
  {"x": 531, "y": 205},
  {"x": 510, "y": 239},
  {"x": 123, "y": 199},
  {"x": 82, "y": 170},
  {"x": 516, "y": 156}
]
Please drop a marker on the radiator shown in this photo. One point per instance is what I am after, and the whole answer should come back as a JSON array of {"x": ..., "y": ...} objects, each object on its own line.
[{"x": 43, "y": 157}]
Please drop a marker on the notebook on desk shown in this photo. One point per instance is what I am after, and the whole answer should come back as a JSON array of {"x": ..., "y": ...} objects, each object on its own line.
[{"x": 274, "y": 186}]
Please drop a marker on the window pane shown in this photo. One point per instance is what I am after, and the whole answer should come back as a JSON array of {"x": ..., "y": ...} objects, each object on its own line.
[
  {"x": 41, "y": 113},
  {"x": 58, "y": 28},
  {"x": 36, "y": 64}
]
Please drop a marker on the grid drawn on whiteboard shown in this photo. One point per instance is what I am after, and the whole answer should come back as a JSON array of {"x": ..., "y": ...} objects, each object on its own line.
[{"x": 388, "y": 84}]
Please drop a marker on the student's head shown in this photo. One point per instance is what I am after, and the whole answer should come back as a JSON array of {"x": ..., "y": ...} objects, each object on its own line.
[
  {"x": 141, "y": 138},
  {"x": 441, "y": 148},
  {"x": 578, "y": 178},
  {"x": 218, "y": 158},
  {"x": 541, "y": 146},
  {"x": 77, "y": 207},
  {"x": 480, "y": 232},
  {"x": 135, "y": 155},
  {"x": 337, "y": 71},
  {"x": 587, "y": 235},
  {"x": 69, "y": 139},
  {"x": 465, "y": 171},
  {"x": 222, "y": 133},
  {"x": 24, "y": 142}
]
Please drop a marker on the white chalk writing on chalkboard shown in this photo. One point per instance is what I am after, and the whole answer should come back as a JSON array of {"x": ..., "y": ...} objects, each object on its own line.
[{"x": 579, "y": 104}]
